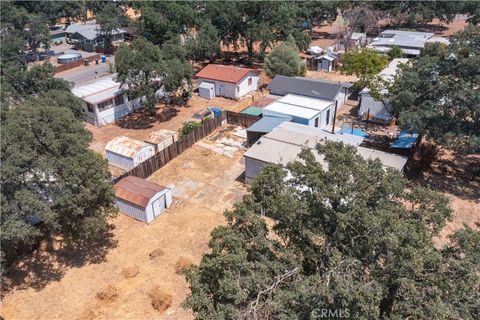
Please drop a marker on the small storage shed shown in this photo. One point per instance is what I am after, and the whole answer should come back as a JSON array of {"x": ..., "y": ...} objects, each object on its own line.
[
  {"x": 326, "y": 62},
  {"x": 206, "y": 90},
  {"x": 141, "y": 199},
  {"x": 161, "y": 138},
  {"x": 127, "y": 153}
]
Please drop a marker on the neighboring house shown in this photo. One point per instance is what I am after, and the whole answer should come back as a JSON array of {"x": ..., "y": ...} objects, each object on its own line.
[
  {"x": 141, "y": 199},
  {"x": 308, "y": 87},
  {"x": 105, "y": 101},
  {"x": 313, "y": 112},
  {"x": 410, "y": 42},
  {"x": 226, "y": 81},
  {"x": 127, "y": 153},
  {"x": 374, "y": 109},
  {"x": 87, "y": 37},
  {"x": 283, "y": 144}
]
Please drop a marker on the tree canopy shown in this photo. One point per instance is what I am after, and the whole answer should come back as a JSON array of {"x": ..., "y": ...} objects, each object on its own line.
[
  {"x": 364, "y": 63},
  {"x": 145, "y": 68},
  {"x": 48, "y": 174},
  {"x": 439, "y": 92},
  {"x": 344, "y": 234},
  {"x": 284, "y": 60}
]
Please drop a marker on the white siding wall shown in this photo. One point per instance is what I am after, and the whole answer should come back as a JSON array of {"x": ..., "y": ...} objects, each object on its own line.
[
  {"x": 244, "y": 88},
  {"x": 131, "y": 210},
  {"x": 111, "y": 114},
  {"x": 119, "y": 160},
  {"x": 127, "y": 163},
  {"x": 341, "y": 97},
  {"x": 167, "y": 195}
]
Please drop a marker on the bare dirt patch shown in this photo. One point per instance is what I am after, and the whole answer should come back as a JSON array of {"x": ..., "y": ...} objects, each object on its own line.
[
  {"x": 204, "y": 185},
  {"x": 161, "y": 300},
  {"x": 182, "y": 264},
  {"x": 108, "y": 294}
]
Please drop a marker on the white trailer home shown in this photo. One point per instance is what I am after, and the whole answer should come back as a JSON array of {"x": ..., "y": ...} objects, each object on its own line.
[
  {"x": 217, "y": 80},
  {"x": 141, "y": 199},
  {"x": 104, "y": 101},
  {"x": 127, "y": 153}
]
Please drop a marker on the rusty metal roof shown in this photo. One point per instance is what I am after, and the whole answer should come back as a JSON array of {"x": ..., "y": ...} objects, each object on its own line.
[
  {"x": 126, "y": 146},
  {"x": 160, "y": 135},
  {"x": 136, "y": 190},
  {"x": 224, "y": 73}
]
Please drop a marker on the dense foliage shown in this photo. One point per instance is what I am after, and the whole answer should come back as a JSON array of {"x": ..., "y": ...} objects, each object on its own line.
[
  {"x": 145, "y": 68},
  {"x": 52, "y": 184},
  {"x": 364, "y": 63},
  {"x": 284, "y": 60},
  {"x": 439, "y": 92},
  {"x": 354, "y": 237}
]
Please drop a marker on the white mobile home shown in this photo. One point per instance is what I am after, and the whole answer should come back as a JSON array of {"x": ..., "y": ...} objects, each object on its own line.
[
  {"x": 141, "y": 199},
  {"x": 127, "y": 153},
  {"x": 104, "y": 101},
  {"x": 304, "y": 110},
  {"x": 226, "y": 81},
  {"x": 309, "y": 87}
]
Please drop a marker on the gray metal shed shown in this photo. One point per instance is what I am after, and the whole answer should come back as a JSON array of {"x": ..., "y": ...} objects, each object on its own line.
[
  {"x": 141, "y": 199},
  {"x": 206, "y": 90}
]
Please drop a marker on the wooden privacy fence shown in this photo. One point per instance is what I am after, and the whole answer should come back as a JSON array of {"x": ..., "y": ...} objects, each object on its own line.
[
  {"x": 161, "y": 158},
  {"x": 240, "y": 119},
  {"x": 74, "y": 64}
]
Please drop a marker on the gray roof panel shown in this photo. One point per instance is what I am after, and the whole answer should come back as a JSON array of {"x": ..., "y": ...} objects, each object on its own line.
[{"x": 308, "y": 87}]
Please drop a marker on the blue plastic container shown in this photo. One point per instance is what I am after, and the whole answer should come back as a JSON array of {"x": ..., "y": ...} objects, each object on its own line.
[{"x": 104, "y": 58}]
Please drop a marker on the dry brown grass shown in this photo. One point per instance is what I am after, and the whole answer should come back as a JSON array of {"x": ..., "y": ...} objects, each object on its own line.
[
  {"x": 161, "y": 300},
  {"x": 130, "y": 272},
  {"x": 182, "y": 264},
  {"x": 109, "y": 294}
]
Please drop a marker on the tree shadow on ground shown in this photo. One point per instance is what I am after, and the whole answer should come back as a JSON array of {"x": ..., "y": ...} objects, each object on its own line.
[
  {"x": 53, "y": 258},
  {"x": 455, "y": 174},
  {"x": 145, "y": 118}
]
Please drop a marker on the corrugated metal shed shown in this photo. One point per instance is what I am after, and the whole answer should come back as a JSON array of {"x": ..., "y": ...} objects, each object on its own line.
[
  {"x": 160, "y": 135},
  {"x": 125, "y": 146},
  {"x": 136, "y": 190}
]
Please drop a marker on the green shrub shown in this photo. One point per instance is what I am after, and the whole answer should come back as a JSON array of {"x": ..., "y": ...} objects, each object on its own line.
[{"x": 188, "y": 126}]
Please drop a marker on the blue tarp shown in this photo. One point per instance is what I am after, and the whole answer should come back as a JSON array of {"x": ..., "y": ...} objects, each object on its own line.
[
  {"x": 355, "y": 132},
  {"x": 405, "y": 140},
  {"x": 217, "y": 112}
]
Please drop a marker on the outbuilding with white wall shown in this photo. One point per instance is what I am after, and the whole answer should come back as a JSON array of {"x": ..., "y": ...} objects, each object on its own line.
[
  {"x": 127, "y": 153},
  {"x": 226, "y": 81},
  {"x": 141, "y": 199}
]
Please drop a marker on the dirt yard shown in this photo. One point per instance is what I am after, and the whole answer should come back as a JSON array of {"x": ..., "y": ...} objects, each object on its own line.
[
  {"x": 146, "y": 258},
  {"x": 140, "y": 124}
]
